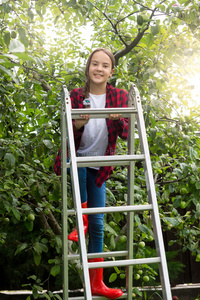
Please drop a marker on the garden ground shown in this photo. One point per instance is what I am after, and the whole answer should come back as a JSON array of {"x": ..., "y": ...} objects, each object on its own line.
[{"x": 181, "y": 291}]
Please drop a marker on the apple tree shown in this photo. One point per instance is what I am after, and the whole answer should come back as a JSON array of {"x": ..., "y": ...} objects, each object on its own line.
[{"x": 42, "y": 47}]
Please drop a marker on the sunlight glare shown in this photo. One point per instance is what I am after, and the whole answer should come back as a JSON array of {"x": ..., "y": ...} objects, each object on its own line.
[{"x": 195, "y": 84}]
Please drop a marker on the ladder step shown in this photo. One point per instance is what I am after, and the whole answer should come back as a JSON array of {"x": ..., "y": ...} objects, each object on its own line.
[
  {"x": 103, "y": 112},
  {"x": 110, "y": 160},
  {"x": 113, "y": 209},
  {"x": 124, "y": 296},
  {"x": 100, "y": 255},
  {"x": 124, "y": 263}
]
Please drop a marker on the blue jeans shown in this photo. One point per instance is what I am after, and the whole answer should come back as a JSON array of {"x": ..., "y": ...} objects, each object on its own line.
[{"x": 95, "y": 197}]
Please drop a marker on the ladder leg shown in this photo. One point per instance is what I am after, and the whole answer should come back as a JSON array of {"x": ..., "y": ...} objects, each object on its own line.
[
  {"x": 130, "y": 215},
  {"x": 64, "y": 202},
  {"x": 77, "y": 198},
  {"x": 164, "y": 276}
]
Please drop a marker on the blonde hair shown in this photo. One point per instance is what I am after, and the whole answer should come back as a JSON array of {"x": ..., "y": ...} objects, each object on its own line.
[{"x": 86, "y": 88}]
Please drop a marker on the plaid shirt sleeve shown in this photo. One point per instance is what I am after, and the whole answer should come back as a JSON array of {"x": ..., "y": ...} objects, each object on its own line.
[
  {"x": 57, "y": 163},
  {"x": 76, "y": 102},
  {"x": 121, "y": 125}
]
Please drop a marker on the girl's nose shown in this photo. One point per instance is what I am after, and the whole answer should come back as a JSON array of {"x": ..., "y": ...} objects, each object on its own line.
[{"x": 99, "y": 67}]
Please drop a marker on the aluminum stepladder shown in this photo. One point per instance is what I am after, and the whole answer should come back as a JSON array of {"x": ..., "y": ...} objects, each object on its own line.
[{"x": 134, "y": 109}]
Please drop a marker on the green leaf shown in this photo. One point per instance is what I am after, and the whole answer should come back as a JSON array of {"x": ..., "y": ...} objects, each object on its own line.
[
  {"x": 58, "y": 241},
  {"x": 7, "y": 206},
  {"x": 171, "y": 188},
  {"x": 34, "y": 277},
  {"x": 113, "y": 277},
  {"x": 68, "y": 25},
  {"x": 149, "y": 40},
  {"x": 37, "y": 247},
  {"x": 48, "y": 144},
  {"x": 16, "y": 213},
  {"x": 178, "y": 172},
  {"x": 29, "y": 225},
  {"x": 16, "y": 46},
  {"x": 110, "y": 194},
  {"x": 9, "y": 73},
  {"x": 38, "y": 61},
  {"x": 89, "y": 5},
  {"x": 193, "y": 153},
  {"x": 58, "y": 297},
  {"x": 42, "y": 189},
  {"x": 9, "y": 159},
  {"x": 37, "y": 258},
  {"x": 35, "y": 293},
  {"x": 45, "y": 295},
  {"x": 172, "y": 221},
  {"x": 43, "y": 247},
  {"x": 108, "y": 228},
  {"x": 177, "y": 202},
  {"x": 24, "y": 56},
  {"x": 153, "y": 132},
  {"x": 137, "y": 219},
  {"x": 139, "y": 20},
  {"x": 145, "y": 229},
  {"x": 197, "y": 185},
  {"x": 30, "y": 14},
  {"x": 112, "y": 242},
  {"x": 22, "y": 36},
  {"x": 6, "y": 38},
  {"x": 21, "y": 248},
  {"x": 155, "y": 29},
  {"x": 55, "y": 270}
]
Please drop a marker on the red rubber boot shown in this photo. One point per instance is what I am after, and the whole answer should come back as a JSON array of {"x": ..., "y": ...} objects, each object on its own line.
[
  {"x": 73, "y": 236},
  {"x": 98, "y": 287}
]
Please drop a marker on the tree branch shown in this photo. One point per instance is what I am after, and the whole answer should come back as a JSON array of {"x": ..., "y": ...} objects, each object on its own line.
[
  {"x": 54, "y": 224},
  {"x": 43, "y": 222},
  {"x": 139, "y": 36},
  {"x": 172, "y": 181},
  {"x": 44, "y": 85},
  {"x": 129, "y": 47},
  {"x": 140, "y": 4}
]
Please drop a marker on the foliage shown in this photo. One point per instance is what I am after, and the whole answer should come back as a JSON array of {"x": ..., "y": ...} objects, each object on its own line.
[{"x": 156, "y": 46}]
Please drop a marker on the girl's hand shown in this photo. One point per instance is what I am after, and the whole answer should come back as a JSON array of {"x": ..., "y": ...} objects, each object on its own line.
[
  {"x": 81, "y": 122},
  {"x": 115, "y": 116}
]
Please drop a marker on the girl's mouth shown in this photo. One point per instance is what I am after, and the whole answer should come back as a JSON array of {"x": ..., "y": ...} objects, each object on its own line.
[{"x": 98, "y": 75}]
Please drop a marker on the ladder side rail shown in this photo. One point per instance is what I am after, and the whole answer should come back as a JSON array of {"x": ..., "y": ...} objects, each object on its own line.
[
  {"x": 130, "y": 200},
  {"x": 64, "y": 203},
  {"x": 76, "y": 195},
  {"x": 164, "y": 276}
]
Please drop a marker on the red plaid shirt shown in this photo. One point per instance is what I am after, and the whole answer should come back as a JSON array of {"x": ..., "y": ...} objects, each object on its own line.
[{"x": 114, "y": 98}]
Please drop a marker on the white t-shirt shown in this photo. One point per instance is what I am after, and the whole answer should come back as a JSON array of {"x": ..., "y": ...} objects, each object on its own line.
[{"x": 94, "y": 140}]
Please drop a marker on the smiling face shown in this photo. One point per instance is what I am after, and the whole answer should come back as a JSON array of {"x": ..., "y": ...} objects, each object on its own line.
[{"x": 100, "y": 69}]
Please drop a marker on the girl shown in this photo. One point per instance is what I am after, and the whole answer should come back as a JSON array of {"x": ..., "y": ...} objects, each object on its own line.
[{"x": 97, "y": 137}]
